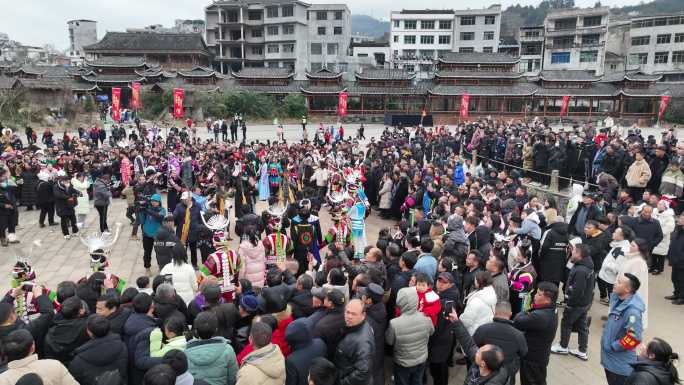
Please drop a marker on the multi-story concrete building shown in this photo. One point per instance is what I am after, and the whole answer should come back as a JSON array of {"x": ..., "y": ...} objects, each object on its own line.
[
  {"x": 656, "y": 45},
  {"x": 575, "y": 39},
  {"x": 81, "y": 33},
  {"x": 329, "y": 37},
  {"x": 531, "y": 49},
  {"x": 419, "y": 37},
  {"x": 180, "y": 26},
  {"x": 277, "y": 33}
]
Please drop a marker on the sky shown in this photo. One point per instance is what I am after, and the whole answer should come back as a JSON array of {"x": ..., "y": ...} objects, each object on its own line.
[{"x": 40, "y": 22}]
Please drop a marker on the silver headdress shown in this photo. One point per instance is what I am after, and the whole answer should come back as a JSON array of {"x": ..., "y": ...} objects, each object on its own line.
[
  {"x": 99, "y": 244},
  {"x": 22, "y": 270},
  {"x": 218, "y": 224}
]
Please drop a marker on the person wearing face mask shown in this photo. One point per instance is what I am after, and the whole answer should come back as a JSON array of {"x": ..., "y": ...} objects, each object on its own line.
[{"x": 65, "y": 202}]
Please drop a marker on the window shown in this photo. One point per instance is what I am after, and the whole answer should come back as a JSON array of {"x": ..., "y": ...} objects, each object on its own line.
[
  {"x": 409, "y": 24},
  {"x": 395, "y": 38},
  {"x": 258, "y": 32},
  {"x": 638, "y": 58},
  {"x": 444, "y": 39},
  {"x": 661, "y": 57},
  {"x": 445, "y": 24},
  {"x": 337, "y": 30},
  {"x": 427, "y": 53},
  {"x": 254, "y": 15},
  {"x": 560, "y": 58},
  {"x": 257, "y": 50},
  {"x": 490, "y": 20},
  {"x": 316, "y": 48},
  {"x": 338, "y": 15},
  {"x": 488, "y": 49},
  {"x": 488, "y": 35},
  {"x": 425, "y": 67},
  {"x": 288, "y": 29},
  {"x": 396, "y": 23},
  {"x": 663, "y": 39},
  {"x": 332, "y": 48},
  {"x": 427, "y": 24},
  {"x": 271, "y": 11},
  {"x": 588, "y": 56},
  {"x": 466, "y": 50},
  {"x": 409, "y": 67},
  {"x": 467, "y": 20},
  {"x": 321, "y": 30},
  {"x": 641, "y": 40},
  {"x": 660, "y": 22},
  {"x": 231, "y": 17},
  {"x": 316, "y": 66},
  {"x": 362, "y": 55},
  {"x": 592, "y": 21},
  {"x": 565, "y": 24},
  {"x": 273, "y": 48},
  {"x": 321, "y": 15},
  {"x": 409, "y": 39},
  {"x": 678, "y": 57},
  {"x": 675, "y": 20},
  {"x": 409, "y": 53},
  {"x": 467, "y": 35},
  {"x": 272, "y": 30},
  {"x": 288, "y": 48},
  {"x": 288, "y": 11},
  {"x": 442, "y": 52},
  {"x": 592, "y": 39},
  {"x": 427, "y": 40},
  {"x": 679, "y": 38}
]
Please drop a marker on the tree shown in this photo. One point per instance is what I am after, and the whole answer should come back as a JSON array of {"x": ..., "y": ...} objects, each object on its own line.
[{"x": 294, "y": 106}]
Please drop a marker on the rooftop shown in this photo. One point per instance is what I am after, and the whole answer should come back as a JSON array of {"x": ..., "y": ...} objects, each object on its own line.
[
  {"x": 385, "y": 74},
  {"x": 116, "y": 61},
  {"x": 479, "y": 58},
  {"x": 478, "y": 74},
  {"x": 568, "y": 76},
  {"x": 323, "y": 73},
  {"x": 263, "y": 72},
  {"x": 159, "y": 42},
  {"x": 426, "y": 11}
]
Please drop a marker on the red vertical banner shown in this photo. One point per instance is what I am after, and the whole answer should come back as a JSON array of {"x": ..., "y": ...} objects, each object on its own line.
[
  {"x": 178, "y": 96},
  {"x": 465, "y": 100},
  {"x": 565, "y": 105},
  {"x": 135, "y": 95},
  {"x": 664, "y": 101},
  {"x": 116, "y": 104},
  {"x": 342, "y": 104}
]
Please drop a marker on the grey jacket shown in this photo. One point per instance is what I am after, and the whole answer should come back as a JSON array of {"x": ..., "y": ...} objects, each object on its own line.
[
  {"x": 410, "y": 332},
  {"x": 501, "y": 287},
  {"x": 101, "y": 193}
]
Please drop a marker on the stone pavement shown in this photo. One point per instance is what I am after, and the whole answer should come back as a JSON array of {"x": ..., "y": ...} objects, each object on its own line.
[{"x": 59, "y": 259}]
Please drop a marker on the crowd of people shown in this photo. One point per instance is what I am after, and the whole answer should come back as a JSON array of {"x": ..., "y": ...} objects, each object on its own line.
[{"x": 474, "y": 268}]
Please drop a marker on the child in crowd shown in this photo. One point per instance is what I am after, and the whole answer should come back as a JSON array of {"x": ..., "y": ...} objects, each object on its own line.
[{"x": 428, "y": 300}]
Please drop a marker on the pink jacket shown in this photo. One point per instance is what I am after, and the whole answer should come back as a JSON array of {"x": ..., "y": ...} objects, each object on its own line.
[
  {"x": 253, "y": 262},
  {"x": 125, "y": 170}
]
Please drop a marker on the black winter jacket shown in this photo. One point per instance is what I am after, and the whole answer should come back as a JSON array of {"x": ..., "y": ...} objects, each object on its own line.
[
  {"x": 579, "y": 289},
  {"x": 499, "y": 377},
  {"x": 118, "y": 319},
  {"x": 65, "y": 199},
  {"x": 44, "y": 192},
  {"x": 442, "y": 340},
  {"x": 354, "y": 356},
  {"x": 553, "y": 253},
  {"x": 302, "y": 304},
  {"x": 539, "y": 326},
  {"x": 64, "y": 337},
  {"x": 503, "y": 334},
  {"x": 99, "y": 356},
  {"x": 304, "y": 349},
  {"x": 649, "y": 230},
  {"x": 675, "y": 253},
  {"x": 377, "y": 318},
  {"x": 330, "y": 328},
  {"x": 38, "y": 327},
  {"x": 649, "y": 373}
]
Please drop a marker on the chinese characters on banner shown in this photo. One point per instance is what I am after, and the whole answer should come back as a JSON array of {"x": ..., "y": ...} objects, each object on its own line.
[
  {"x": 178, "y": 95},
  {"x": 116, "y": 104},
  {"x": 664, "y": 101},
  {"x": 135, "y": 98},
  {"x": 564, "y": 106},
  {"x": 342, "y": 104},
  {"x": 465, "y": 99}
]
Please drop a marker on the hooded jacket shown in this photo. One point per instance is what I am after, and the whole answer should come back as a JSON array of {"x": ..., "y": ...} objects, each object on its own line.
[
  {"x": 624, "y": 318},
  {"x": 64, "y": 337},
  {"x": 99, "y": 356},
  {"x": 648, "y": 372},
  {"x": 410, "y": 332},
  {"x": 579, "y": 289},
  {"x": 456, "y": 243},
  {"x": 212, "y": 360},
  {"x": 479, "y": 308},
  {"x": 553, "y": 253},
  {"x": 667, "y": 226},
  {"x": 635, "y": 263},
  {"x": 265, "y": 366},
  {"x": 304, "y": 349},
  {"x": 530, "y": 226}
]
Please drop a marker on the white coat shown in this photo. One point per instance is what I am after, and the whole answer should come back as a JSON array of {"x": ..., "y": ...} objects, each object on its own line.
[
  {"x": 667, "y": 224},
  {"x": 82, "y": 202},
  {"x": 479, "y": 308},
  {"x": 636, "y": 264},
  {"x": 184, "y": 280}
]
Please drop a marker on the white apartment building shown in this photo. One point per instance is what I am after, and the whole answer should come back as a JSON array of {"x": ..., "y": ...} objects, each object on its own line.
[
  {"x": 277, "y": 34},
  {"x": 531, "y": 49},
  {"x": 656, "y": 45},
  {"x": 81, "y": 33},
  {"x": 419, "y": 37},
  {"x": 575, "y": 39}
]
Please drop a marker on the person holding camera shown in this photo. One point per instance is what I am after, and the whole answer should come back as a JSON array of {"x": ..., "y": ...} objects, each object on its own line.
[
  {"x": 65, "y": 202},
  {"x": 151, "y": 217}
]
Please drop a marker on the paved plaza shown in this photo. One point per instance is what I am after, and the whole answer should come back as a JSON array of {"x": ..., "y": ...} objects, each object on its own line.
[{"x": 59, "y": 259}]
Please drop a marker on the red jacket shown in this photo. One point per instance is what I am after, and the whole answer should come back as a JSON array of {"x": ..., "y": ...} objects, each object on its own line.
[
  {"x": 429, "y": 304},
  {"x": 278, "y": 338}
]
